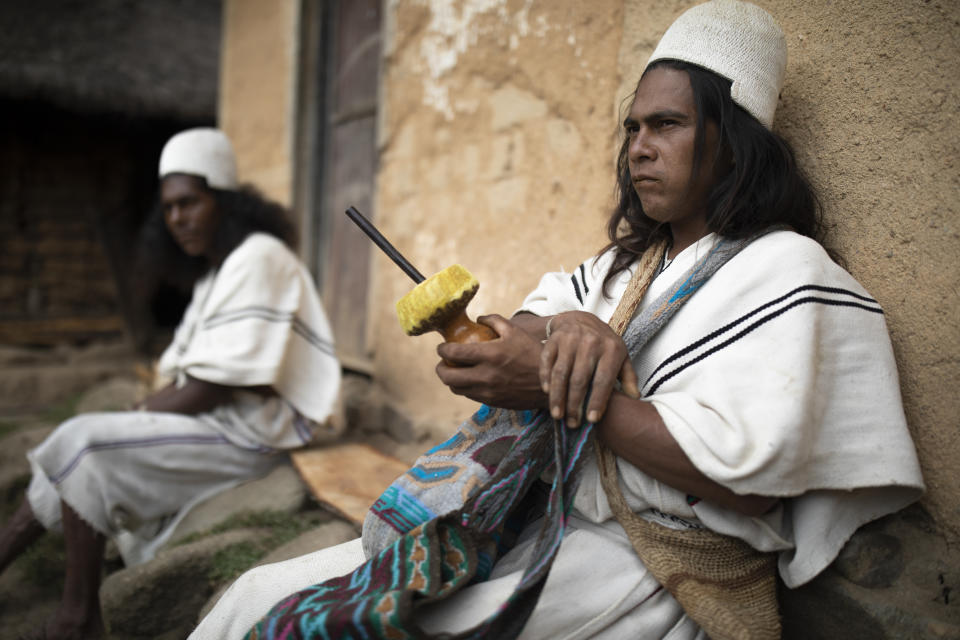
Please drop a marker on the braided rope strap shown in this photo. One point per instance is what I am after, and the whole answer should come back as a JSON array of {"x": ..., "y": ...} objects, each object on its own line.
[{"x": 725, "y": 585}]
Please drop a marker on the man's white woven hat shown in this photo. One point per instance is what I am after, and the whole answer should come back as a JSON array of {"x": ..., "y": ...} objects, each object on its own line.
[
  {"x": 203, "y": 152},
  {"x": 737, "y": 40}
]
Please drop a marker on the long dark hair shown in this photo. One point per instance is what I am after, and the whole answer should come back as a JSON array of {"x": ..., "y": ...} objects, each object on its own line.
[
  {"x": 243, "y": 212},
  {"x": 764, "y": 187}
]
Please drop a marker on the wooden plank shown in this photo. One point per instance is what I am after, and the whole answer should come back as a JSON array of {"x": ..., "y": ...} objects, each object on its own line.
[{"x": 347, "y": 477}]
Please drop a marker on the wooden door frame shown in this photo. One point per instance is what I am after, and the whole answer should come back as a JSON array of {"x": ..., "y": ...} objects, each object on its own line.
[{"x": 317, "y": 47}]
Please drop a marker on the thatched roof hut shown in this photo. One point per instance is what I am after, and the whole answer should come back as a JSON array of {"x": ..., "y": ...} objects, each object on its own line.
[
  {"x": 90, "y": 90},
  {"x": 143, "y": 59}
]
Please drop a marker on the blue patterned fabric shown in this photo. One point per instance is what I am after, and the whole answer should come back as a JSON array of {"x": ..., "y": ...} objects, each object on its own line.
[
  {"x": 443, "y": 479},
  {"x": 441, "y": 555}
]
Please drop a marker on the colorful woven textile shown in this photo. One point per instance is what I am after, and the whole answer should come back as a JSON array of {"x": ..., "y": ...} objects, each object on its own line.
[
  {"x": 440, "y": 556},
  {"x": 443, "y": 478}
]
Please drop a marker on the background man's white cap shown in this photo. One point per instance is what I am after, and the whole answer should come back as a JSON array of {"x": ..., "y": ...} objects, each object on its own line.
[
  {"x": 737, "y": 40},
  {"x": 203, "y": 152}
]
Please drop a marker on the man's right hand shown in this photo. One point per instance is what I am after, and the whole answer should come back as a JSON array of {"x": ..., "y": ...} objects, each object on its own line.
[{"x": 501, "y": 372}]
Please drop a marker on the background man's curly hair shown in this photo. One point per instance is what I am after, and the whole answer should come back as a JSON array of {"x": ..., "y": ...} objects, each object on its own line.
[
  {"x": 243, "y": 212},
  {"x": 764, "y": 187}
]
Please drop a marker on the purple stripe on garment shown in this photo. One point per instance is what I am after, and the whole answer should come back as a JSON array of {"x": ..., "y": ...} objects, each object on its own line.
[
  {"x": 136, "y": 442},
  {"x": 302, "y": 427}
]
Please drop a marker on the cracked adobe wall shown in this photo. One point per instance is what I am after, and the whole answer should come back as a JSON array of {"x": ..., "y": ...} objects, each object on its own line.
[{"x": 497, "y": 135}]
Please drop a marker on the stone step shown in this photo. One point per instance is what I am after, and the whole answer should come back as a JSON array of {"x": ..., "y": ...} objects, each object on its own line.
[
  {"x": 326, "y": 535},
  {"x": 163, "y": 597}
]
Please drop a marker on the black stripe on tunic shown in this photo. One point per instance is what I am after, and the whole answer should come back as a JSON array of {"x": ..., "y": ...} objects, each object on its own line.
[
  {"x": 576, "y": 288},
  {"x": 868, "y": 304}
]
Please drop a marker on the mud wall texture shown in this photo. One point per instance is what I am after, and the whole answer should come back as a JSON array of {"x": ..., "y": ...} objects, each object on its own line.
[
  {"x": 496, "y": 130},
  {"x": 257, "y": 91},
  {"x": 498, "y": 133},
  {"x": 871, "y": 106}
]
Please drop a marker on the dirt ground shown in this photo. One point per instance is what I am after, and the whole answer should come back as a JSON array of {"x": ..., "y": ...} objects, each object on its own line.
[
  {"x": 30, "y": 588},
  {"x": 25, "y": 605}
]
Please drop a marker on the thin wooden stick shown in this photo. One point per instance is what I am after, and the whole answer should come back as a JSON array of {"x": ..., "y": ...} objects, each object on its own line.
[{"x": 367, "y": 227}]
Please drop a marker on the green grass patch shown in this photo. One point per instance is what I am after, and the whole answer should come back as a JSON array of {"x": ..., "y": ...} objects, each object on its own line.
[
  {"x": 12, "y": 495},
  {"x": 279, "y": 527},
  {"x": 6, "y": 428},
  {"x": 44, "y": 564},
  {"x": 230, "y": 562},
  {"x": 66, "y": 408},
  {"x": 283, "y": 526}
]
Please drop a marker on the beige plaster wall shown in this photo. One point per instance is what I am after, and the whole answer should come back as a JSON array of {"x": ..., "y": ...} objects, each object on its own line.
[
  {"x": 871, "y": 104},
  {"x": 257, "y": 90},
  {"x": 496, "y": 135}
]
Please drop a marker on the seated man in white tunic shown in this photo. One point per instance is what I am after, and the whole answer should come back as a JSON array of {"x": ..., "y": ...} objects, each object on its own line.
[
  {"x": 253, "y": 373},
  {"x": 763, "y": 401}
]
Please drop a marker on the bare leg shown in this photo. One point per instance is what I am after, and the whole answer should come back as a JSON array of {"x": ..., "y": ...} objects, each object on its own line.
[
  {"x": 79, "y": 613},
  {"x": 20, "y": 532}
]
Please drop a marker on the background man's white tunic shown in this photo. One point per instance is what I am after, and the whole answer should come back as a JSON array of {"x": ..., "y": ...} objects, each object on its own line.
[{"x": 256, "y": 321}]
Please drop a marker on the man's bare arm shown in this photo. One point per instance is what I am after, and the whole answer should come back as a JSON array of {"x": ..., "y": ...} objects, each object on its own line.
[
  {"x": 535, "y": 326},
  {"x": 633, "y": 430},
  {"x": 196, "y": 396}
]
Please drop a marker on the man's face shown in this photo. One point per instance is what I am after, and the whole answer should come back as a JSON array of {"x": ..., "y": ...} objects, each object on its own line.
[
  {"x": 662, "y": 127},
  {"x": 190, "y": 211}
]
